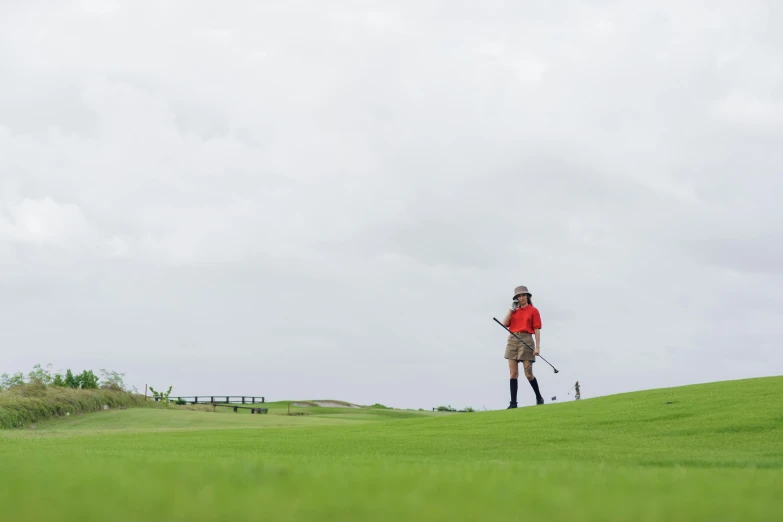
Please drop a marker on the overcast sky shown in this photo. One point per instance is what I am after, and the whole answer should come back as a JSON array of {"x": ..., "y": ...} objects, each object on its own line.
[{"x": 332, "y": 200}]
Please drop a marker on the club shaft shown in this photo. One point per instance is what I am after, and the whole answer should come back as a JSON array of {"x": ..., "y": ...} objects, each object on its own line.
[{"x": 523, "y": 342}]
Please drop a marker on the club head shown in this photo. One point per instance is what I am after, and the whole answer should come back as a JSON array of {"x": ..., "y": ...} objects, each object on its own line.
[
  {"x": 554, "y": 398},
  {"x": 556, "y": 371}
]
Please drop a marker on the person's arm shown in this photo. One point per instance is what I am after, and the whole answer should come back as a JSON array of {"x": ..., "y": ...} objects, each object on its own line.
[
  {"x": 507, "y": 319},
  {"x": 537, "y": 330}
]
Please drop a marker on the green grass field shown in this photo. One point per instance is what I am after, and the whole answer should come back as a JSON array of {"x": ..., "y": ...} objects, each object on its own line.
[{"x": 698, "y": 453}]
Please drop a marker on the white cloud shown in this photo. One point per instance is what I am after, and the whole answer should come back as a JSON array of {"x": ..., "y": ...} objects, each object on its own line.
[
  {"x": 46, "y": 222},
  {"x": 751, "y": 113},
  {"x": 531, "y": 71},
  {"x": 117, "y": 247}
]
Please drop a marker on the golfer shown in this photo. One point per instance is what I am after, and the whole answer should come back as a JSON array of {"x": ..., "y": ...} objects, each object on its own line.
[{"x": 524, "y": 320}]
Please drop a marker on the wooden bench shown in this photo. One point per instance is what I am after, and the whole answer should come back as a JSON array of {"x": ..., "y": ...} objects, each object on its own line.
[{"x": 236, "y": 408}]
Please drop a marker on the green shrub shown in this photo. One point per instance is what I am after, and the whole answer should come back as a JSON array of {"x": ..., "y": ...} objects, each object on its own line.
[
  {"x": 40, "y": 375},
  {"x": 88, "y": 380},
  {"x": 27, "y": 403},
  {"x": 162, "y": 396},
  {"x": 9, "y": 381},
  {"x": 446, "y": 408},
  {"x": 70, "y": 380},
  {"x": 180, "y": 401},
  {"x": 42, "y": 395},
  {"x": 380, "y": 406},
  {"x": 111, "y": 380}
]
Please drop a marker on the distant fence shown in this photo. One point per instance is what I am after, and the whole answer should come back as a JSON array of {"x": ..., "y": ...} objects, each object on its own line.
[{"x": 218, "y": 399}]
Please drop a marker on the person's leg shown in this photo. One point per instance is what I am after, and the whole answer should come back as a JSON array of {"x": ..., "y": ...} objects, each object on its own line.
[
  {"x": 513, "y": 370},
  {"x": 528, "y": 365}
]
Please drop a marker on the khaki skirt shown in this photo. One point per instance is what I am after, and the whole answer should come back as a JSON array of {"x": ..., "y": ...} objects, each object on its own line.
[{"x": 515, "y": 350}]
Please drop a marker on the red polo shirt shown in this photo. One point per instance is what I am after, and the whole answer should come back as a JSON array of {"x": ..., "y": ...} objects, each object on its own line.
[{"x": 525, "y": 319}]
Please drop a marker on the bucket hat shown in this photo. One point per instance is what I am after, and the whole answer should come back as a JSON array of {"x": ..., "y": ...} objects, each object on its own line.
[{"x": 521, "y": 290}]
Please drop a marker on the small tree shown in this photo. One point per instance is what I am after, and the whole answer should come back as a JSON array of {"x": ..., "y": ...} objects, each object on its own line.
[
  {"x": 88, "y": 380},
  {"x": 112, "y": 380},
  {"x": 71, "y": 381},
  {"x": 161, "y": 396},
  {"x": 9, "y": 381},
  {"x": 40, "y": 376}
]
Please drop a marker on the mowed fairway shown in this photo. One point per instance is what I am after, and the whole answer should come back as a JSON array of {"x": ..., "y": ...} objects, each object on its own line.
[{"x": 705, "y": 452}]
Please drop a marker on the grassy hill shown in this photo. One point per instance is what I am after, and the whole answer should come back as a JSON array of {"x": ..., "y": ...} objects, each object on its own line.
[
  {"x": 704, "y": 452},
  {"x": 201, "y": 417}
]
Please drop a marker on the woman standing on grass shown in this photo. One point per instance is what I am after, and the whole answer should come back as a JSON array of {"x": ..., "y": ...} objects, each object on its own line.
[{"x": 524, "y": 320}]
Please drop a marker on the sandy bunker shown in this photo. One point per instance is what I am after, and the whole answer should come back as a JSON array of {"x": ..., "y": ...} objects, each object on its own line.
[{"x": 325, "y": 404}]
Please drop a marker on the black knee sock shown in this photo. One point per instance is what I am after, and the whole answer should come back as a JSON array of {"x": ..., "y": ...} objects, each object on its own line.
[
  {"x": 514, "y": 388},
  {"x": 534, "y": 384}
]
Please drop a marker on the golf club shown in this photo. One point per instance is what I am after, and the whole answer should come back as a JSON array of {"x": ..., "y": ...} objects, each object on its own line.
[{"x": 523, "y": 342}]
